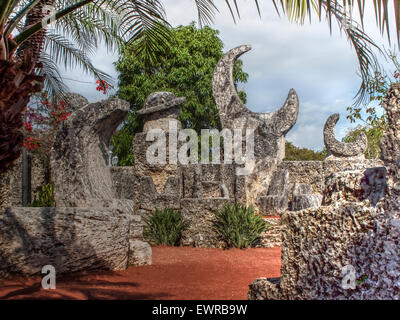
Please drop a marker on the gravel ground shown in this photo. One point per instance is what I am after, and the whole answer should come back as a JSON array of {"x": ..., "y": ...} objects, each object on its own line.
[{"x": 182, "y": 273}]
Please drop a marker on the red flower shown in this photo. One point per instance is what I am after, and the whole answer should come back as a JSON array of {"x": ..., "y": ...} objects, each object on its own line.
[
  {"x": 32, "y": 143},
  {"x": 28, "y": 126},
  {"x": 102, "y": 86}
]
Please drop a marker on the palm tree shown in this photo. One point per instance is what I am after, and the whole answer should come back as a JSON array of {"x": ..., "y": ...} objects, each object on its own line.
[
  {"x": 29, "y": 60},
  {"x": 25, "y": 64}
]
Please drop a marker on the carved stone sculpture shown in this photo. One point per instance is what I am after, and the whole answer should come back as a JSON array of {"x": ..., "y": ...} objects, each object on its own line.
[
  {"x": 341, "y": 149},
  {"x": 70, "y": 239},
  {"x": 270, "y": 128},
  {"x": 79, "y": 157},
  {"x": 160, "y": 109}
]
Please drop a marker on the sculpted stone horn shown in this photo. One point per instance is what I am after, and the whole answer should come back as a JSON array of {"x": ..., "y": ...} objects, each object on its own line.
[
  {"x": 224, "y": 91},
  {"x": 341, "y": 149},
  {"x": 285, "y": 118}
]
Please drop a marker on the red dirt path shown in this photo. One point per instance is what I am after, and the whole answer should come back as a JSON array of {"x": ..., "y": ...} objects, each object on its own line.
[{"x": 176, "y": 273}]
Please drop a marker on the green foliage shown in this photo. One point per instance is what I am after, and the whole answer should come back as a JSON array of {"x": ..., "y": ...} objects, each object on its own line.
[
  {"x": 164, "y": 227},
  {"x": 294, "y": 153},
  {"x": 371, "y": 113},
  {"x": 361, "y": 280},
  {"x": 186, "y": 69},
  {"x": 122, "y": 142},
  {"x": 45, "y": 197},
  {"x": 239, "y": 226},
  {"x": 374, "y": 135}
]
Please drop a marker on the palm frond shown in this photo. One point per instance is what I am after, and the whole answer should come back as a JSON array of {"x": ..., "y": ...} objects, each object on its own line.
[
  {"x": 205, "y": 11},
  {"x": 62, "y": 51},
  {"x": 300, "y": 8},
  {"x": 90, "y": 25},
  {"x": 53, "y": 83},
  {"x": 19, "y": 15},
  {"x": 234, "y": 8},
  {"x": 363, "y": 45},
  {"x": 365, "y": 49},
  {"x": 143, "y": 23}
]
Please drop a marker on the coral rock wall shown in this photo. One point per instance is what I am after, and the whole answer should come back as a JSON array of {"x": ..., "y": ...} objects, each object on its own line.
[{"x": 348, "y": 249}]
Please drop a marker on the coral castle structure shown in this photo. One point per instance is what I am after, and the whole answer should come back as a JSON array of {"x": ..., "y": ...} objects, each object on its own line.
[{"x": 327, "y": 216}]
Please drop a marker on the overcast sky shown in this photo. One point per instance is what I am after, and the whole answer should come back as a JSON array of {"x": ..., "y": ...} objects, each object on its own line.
[{"x": 320, "y": 67}]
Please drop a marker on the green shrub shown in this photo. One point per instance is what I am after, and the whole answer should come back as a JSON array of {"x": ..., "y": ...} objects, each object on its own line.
[
  {"x": 239, "y": 226},
  {"x": 164, "y": 227},
  {"x": 45, "y": 197}
]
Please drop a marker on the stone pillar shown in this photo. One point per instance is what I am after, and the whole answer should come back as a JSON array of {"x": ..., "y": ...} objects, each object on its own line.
[{"x": 159, "y": 185}]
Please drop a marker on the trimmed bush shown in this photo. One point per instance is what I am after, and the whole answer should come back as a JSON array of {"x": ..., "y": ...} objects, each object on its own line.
[
  {"x": 45, "y": 197},
  {"x": 164, "y": 227},
  {"x": 239, "y": 226}
]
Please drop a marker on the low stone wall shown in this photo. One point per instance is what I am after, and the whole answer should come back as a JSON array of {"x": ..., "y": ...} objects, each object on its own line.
[
  {"x": 309, "y": 172},
  {"x": 200, "y": 215},
  {"x": 11, "y": 181},
  {"x": 314, "y": 173},
  {"x": 70, "y": 239},
  {"x": 124, "y": 182}
]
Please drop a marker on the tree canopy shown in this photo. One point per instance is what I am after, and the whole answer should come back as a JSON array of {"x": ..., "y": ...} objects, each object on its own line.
[{"x": 293, "y": 153}]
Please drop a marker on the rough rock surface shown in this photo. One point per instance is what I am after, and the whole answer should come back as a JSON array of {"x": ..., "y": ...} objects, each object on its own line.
[
  {"x": 273, "y": 236},
  {"x": 315, "y": 242},
  {"x": 270, "y": 128},
  {"x": 74, "y": 101},
  {"x": 314, "y": 173},
  {"x": 70, "y": 239},
  {"x": 277, "y": 197},
  {"x": 305, "y": 201},
  {"x": 356, "y": 186},
  {"x": 140, "y": 253},
  {"x": 200, "y": 214},
  {"x": 79, "y": 157},
  {"x": 390, "y": 146},
  {"x": 150, "y": 199},
  {"x": 264, "y": 289},
  {"x": 124, "y": 182},
  {"x": 11, "y": 180},
  {"x": 208, "y": 181},
  {"x": 321, "y": 245},
  {"x": 302, "y": 197},
  {"x": 158, "y": 172},
  {"x": 157, "y": 103},
  {"x": 341, "y": 149},
  {"x": 376, "y": 255},
  {"x": 160, "y": 109}
]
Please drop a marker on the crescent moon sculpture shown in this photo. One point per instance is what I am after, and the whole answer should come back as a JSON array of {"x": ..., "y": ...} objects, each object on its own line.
[
  {"x": 270, "y": 128},
  {"x": 342, "y": 149}
]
